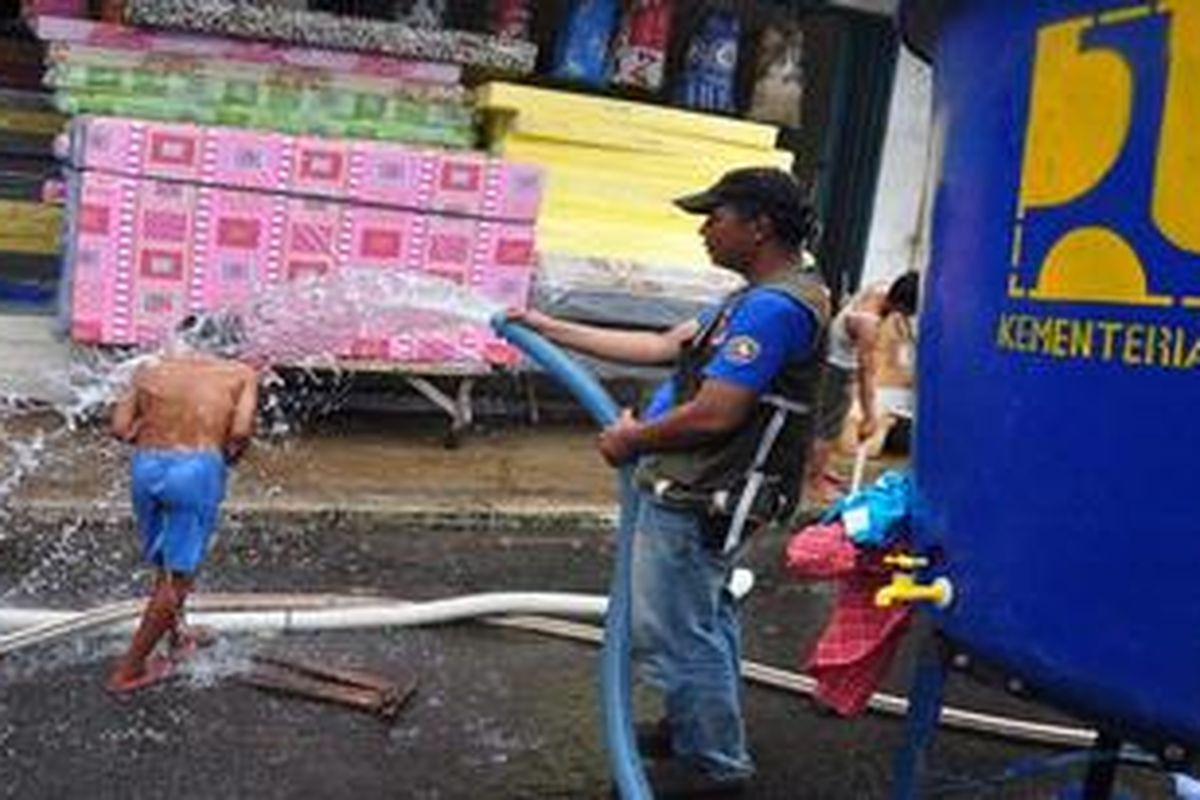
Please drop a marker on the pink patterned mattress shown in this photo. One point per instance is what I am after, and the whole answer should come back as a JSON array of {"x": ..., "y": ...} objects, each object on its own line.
[{"x": 171, "y": 219}]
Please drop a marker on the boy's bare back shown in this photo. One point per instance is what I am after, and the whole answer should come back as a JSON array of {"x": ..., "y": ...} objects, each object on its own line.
[{"x": 192, "y": 402}]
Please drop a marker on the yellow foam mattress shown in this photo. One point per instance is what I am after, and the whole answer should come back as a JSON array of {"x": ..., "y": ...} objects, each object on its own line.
[
  {"x": 29, "y": 227},
  {"x": 605, "y": 112},
  {"x": 40, "y": 123},
  {"x": 613, "y": 168}
]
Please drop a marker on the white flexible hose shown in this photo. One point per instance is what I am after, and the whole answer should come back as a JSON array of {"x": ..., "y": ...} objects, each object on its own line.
[
  {"x": 255, "y": 612},
  {"x": 773, "y": 677},
  {"x": 283, "y": 613},
  {"x": 54, "y": 624}
]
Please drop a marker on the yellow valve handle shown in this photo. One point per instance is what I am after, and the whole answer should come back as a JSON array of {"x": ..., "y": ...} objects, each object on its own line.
[{"x": 905, "y": 589}]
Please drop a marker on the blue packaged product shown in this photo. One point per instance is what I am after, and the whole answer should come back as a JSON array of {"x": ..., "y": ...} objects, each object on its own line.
[
  {"x": 710, "y": 68},
  {"x": 581, "y": 53}
]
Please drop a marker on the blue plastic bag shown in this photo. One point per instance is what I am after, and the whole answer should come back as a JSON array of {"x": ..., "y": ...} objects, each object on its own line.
[
  {"x": 711, "y": 64},
  {"x": 1186, "y": 787},
  {"x": 581, "y": 53},
  {"x": 877, "y": 515}
]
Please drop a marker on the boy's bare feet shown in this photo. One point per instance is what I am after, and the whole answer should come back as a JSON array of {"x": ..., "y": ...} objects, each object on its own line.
[
  {"x": 125, "y": 680},
  {"x": 187, "y": 639}
]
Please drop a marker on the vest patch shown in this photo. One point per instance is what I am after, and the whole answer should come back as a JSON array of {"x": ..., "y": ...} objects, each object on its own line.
[{"x": 742, "y": 350}]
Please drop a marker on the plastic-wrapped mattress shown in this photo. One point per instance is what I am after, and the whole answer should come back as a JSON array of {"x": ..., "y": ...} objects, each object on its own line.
[
  {"x": 626, "y": 293},
  {"x": 274, "y": 23}
]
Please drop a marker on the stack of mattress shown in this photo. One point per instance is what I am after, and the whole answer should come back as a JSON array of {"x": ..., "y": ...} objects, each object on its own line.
[
  {"x": 20, "y": 64},
  {"x": 223, "y": 153},
  {"x": 28, "y": 127},
  {"x": 29, "y": 241},
  {"x": 237, "y": 18},
  {"x": 168, "y": 219},
  {"x": 612, "y": 170},
  {"x": 96, "y": 68}
]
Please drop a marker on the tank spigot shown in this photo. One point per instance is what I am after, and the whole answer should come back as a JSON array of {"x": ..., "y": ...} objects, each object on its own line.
[{"x": 905, "y": 589}]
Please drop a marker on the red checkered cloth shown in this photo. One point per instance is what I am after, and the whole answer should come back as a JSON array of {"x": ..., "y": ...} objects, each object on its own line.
[{"x": 856, "y": 647}]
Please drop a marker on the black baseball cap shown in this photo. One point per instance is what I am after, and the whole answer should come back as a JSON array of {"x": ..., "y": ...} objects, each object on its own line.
[{"x": 758, "y": 190}]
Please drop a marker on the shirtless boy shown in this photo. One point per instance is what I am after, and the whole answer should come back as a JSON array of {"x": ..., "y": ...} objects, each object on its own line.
[{"x": 189, "y": 413}]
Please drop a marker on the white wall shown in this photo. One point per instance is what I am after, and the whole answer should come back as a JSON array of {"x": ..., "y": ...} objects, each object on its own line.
[{"x": 895, "y": 242}]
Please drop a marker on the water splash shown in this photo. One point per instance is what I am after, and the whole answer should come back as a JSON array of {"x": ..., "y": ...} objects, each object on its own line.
[
  {"x": 315, "y": 320},
  {"x": 228, "y": 656},
  {"x": 23, "y": 458}
]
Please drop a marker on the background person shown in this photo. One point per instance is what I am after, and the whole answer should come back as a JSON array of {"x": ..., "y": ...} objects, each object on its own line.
[{"x": 850, "y": 369}]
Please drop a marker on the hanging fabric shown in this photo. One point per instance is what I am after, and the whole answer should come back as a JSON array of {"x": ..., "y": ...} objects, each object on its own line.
[
  {"x": 640, "y": 54},
  {"x": 779, "y": 76},
  {"x": 512, "y": 19},
  {"x": 582, "y": 49},
  {"x": 710, "y": 67}
]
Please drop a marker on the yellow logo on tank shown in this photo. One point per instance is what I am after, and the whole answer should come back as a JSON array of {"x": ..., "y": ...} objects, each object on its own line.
[{"x": 1082, "y": 152}]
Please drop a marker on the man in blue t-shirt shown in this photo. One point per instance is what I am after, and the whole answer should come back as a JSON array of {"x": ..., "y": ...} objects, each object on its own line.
[{"x": 732, "y": 425}]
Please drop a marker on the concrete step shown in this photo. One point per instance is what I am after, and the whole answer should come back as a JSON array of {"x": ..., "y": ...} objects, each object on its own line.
[{"x": 34, "y": 361}]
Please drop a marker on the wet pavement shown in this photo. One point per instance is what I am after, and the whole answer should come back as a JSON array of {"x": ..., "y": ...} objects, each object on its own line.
[{"x": 372, "y": 506}]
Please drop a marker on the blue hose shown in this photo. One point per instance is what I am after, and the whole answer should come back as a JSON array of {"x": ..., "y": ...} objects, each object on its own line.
[{"x": 615, "y": 677}]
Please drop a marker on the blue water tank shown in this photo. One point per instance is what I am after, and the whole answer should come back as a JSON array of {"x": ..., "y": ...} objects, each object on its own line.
[{"x": 1059, "y": 397}]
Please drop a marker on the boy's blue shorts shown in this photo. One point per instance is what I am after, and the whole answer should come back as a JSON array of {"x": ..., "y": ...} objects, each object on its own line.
[{"x": 177, "y": 497}]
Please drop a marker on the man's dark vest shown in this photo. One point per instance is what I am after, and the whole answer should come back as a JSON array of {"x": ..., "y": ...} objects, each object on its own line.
[{"x": 767, "y": 453}]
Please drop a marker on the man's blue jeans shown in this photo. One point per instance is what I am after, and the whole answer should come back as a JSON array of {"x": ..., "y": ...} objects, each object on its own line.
[{"x": 686, "y": 637}]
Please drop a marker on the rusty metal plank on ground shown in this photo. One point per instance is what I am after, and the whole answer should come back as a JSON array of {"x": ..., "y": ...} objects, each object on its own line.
[{"x": 351, "y": 687}]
